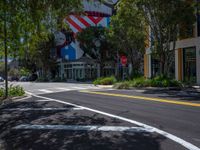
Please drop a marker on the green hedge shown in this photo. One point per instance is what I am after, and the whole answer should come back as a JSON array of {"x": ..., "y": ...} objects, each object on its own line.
[
  {"x": 13, "y": 91},
  {"x": 159, "y": 81},
  {"x": 105, "y": 81}
]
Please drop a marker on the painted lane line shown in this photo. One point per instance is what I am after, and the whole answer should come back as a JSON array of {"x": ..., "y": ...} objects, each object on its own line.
[
  {"x": 45, "y": 90},
  {"x": 41, "y": 109},
  {"x": 172, "y": 137},
  {"x": 81, "y": 128},
  {"x": 144, "y": 98}
]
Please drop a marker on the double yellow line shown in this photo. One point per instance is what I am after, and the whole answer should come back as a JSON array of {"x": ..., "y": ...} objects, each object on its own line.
[{"x": 144, "y": 98}]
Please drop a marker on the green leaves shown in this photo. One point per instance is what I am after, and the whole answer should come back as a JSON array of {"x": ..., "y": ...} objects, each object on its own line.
[
  {"x": 28, "y": 19},
  {"x": 92, "y": 41}
]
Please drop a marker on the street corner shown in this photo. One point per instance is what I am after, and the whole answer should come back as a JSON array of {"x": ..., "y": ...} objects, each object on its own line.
[
  {"x": 49, "y": 124},
  {"x": 149, "y": 96}
]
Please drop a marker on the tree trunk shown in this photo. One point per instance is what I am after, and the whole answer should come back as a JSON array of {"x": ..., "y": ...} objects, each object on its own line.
[{"x": 162, "y": 64}]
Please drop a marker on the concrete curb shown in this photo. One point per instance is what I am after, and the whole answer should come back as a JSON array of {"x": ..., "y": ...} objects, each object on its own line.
[
  {"x": 104, "y": 86},
  {"x": 15, "y": 99}
]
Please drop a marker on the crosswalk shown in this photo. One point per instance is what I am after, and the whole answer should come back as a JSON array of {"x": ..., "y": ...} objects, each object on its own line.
[{"x": 63, "y": 89}]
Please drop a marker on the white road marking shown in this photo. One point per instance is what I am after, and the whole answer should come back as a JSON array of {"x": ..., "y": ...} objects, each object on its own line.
[
  {"x": 63, "y": 89},
  {"x": 45, "y": 90},
  {"x": 44, "y": 100},
  {"x": 39, "y": 109},
  {"x": 21, "y": 99},
  {"x": 78, "y": 88},
  {"x": 82, "y": 128},
  {"x": 174, "y": 138},
  {"x": 71, "y": 88}
]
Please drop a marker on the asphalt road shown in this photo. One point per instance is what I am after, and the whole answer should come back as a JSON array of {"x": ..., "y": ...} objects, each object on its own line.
[{"x": 70, "y": 120}]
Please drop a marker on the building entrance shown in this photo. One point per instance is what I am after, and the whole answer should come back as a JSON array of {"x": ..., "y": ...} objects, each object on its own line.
[{"x": 189, "y": 65}]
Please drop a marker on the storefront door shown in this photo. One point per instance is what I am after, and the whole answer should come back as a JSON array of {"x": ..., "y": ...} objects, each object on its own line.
[{"x": 189, "y": 65}]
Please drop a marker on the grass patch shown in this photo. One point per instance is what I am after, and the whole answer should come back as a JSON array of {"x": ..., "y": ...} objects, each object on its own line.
[{"x": 105, "y": 81}]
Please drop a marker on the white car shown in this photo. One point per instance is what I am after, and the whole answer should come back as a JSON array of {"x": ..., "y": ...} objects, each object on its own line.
[{"x": 1, "y": 79}]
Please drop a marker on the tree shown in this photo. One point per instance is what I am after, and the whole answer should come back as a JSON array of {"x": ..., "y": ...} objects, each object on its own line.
[
  {"x": 165, "y": 18},
  {"x": 46, "y": 63},
  {"x": 26, "y": 18},
  {"x": 94, "y": 43},
  {"x": 127, "y": 32}
]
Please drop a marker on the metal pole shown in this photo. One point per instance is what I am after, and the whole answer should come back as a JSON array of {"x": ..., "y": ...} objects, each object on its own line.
[{"x": 6, "y": 52}]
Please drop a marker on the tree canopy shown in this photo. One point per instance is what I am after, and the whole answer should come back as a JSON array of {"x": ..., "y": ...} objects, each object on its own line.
[
  {"x": 27, "y": 19},
  {"x": 127, "y": 32},
  {"x": 167, "y": 20}
]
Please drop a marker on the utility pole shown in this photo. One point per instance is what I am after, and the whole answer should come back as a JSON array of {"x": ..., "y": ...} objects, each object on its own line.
[{"x": 6, "y": 52}]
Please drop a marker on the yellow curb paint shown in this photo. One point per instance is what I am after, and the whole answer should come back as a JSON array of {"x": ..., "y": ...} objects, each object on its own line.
[{"x": 145, "y": 98}]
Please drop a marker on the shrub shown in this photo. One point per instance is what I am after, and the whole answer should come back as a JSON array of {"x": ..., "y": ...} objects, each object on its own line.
[
  {"x": 138, "y": 82},
  {"x": 122, "y": 85},
  {"x": 159, "y": 81},
  {"x": 1, "y": 92},
  {"x": 105, "y": 81},
  {"x": 13, "y": 91}
]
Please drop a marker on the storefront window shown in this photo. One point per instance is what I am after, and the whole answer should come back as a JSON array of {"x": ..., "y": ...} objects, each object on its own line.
[
  {"x": 189, "y": 65},
  {"x": 155, "y": 67},
  {"x": 171, "y": 65}
]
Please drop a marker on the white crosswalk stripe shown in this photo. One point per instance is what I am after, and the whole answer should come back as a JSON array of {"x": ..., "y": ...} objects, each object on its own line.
[
  {"x": 63, "y": 89},
  {"x": 45, "y": 91}
]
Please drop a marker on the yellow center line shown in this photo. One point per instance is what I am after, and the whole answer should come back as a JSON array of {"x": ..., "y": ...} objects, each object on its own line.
[{"x": 144, "y": 98}]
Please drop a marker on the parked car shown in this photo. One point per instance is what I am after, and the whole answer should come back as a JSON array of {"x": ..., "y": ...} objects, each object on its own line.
[
  {"x": 1, "y": 79},
  {"x": 14, "y": 79},
  {"x": 33, "y": 77},
  {"x": 24, "y": 78}
]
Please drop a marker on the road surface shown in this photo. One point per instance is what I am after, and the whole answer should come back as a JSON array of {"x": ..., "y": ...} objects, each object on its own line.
[{"x": 82, "y": 116}]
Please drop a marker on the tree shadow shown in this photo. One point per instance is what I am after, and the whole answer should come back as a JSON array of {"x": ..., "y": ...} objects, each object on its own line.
[
  {"x": 185, "y": 95},
  {"x": 27, "y": 139},
  {"x": 80, "y": 140}
]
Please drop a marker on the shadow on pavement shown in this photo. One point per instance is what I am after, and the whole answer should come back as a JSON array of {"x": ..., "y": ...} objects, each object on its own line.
[
  {"x": 53, "y": 140},
  {"x": 193, "y": 95},
  {"x": 19, "y": 139}
]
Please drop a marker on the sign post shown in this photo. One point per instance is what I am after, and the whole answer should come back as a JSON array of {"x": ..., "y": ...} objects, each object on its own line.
[{"x": 124, "y": 63}]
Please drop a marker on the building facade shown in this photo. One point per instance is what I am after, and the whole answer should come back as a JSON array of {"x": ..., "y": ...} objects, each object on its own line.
[
  {"x": 186, "y": 58},
  {"x": 73, "y": 63}
]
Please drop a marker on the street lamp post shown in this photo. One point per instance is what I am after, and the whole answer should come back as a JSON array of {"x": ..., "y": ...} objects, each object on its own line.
[{"x": 6, "y": 52}]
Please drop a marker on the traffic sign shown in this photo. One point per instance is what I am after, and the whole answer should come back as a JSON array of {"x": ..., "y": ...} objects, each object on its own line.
[{"x": 123, "y": 60}]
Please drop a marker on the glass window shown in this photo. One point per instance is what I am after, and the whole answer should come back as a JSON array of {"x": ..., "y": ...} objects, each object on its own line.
[
  {"x": 189, "y": 65},
  {"x": 155, "y": 67},
  {"x": 81, "y": 74}
]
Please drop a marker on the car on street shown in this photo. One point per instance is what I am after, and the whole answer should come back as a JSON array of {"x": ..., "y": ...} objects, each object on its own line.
[
  {"x": 1, "y": 79},
  {"x": 23, "y": 78}
]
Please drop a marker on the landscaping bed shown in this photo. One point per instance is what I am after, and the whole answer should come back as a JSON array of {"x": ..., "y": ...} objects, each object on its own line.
[
  {"x": 159, "y": 81},
  {"x": 13, "y": 92}
]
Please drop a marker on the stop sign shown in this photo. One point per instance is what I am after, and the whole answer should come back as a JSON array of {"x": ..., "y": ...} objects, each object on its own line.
[{"x": 123, "y": 60}]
